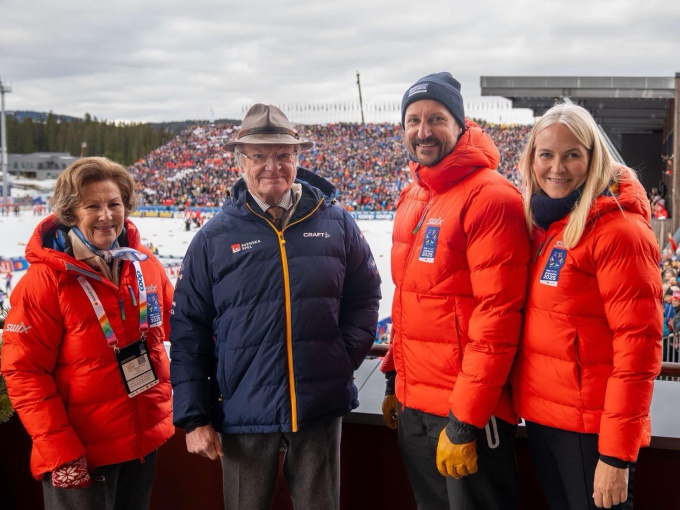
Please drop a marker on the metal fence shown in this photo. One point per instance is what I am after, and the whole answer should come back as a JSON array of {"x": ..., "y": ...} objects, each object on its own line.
[{"x": 671, "y": 354}]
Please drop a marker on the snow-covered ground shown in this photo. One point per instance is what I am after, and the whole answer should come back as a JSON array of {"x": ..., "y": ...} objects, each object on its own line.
[{"x": 171, "y": 238}]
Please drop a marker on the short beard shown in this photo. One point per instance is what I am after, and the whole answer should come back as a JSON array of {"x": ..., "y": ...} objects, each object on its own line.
[{"x": 411, "y": 148}]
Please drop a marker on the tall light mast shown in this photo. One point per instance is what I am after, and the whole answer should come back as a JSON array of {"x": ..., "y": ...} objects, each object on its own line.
[{"x": 4, "y": 89}]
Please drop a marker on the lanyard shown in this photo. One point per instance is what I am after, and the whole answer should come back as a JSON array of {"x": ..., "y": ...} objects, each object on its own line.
[{"x": 111, "y": 338}]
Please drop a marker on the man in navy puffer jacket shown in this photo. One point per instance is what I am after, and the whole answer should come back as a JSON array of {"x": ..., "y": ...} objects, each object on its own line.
[{"x": 276, "y": 306}]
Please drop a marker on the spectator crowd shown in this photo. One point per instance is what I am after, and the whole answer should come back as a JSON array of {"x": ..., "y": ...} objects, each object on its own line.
[{"x": 367, "y": 163}]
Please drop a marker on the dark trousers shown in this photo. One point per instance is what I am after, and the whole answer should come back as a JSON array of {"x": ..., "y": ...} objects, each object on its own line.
[
  {"x": 124, "y": 486},
  {"x": 493, "y": 487},
  {"x": 565, "y": 462},
  {"x": 311, "y": 468}
]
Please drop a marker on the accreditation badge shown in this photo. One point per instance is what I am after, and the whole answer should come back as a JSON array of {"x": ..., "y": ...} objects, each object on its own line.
[
  {"x": 551, "y": 272},
  {"x": 136, "y": 368},
  {"x": 429, "y": 244}
]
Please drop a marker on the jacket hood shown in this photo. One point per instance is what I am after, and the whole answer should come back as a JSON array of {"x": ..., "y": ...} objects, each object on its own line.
[
  {"x": 38, "y": 247},
  {"x": 632, "y": 197},
  {"x": 473, "y": 151},
  {"x": 311, "y": 183}
]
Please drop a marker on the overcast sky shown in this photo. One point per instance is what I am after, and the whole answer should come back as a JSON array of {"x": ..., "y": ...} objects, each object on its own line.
[{"x": 147, "y": 60}]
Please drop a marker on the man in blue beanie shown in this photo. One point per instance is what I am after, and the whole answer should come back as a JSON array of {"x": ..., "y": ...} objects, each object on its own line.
[{"x": 459, "y": 262}]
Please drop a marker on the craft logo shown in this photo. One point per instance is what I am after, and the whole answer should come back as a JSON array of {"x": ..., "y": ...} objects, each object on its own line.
[
  {"x": 235, "y": 248},
  {"x": 325, "y": 235},
  {"x": 17, "y": 328}
]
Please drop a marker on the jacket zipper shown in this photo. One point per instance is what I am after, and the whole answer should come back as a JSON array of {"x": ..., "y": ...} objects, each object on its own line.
[
  {"x": 577, "y": 357},
  {"x": 460, "y": 346},
  {"x": 579, "y": 370},
  {"x": 289, "y": 325},
  {"x": 413, "y": 248},
  {"x": 543, "y": 244},
  {"x": 132, "y": 401}
]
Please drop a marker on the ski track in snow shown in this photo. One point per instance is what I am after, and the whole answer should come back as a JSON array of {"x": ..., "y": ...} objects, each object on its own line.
[{"x": 171, "y": 238}]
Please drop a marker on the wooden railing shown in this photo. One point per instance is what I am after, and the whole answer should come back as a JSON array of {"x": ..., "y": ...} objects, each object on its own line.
[{"x": 670, "y": 369}]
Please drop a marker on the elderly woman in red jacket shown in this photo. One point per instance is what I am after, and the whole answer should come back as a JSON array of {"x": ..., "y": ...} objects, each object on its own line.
[
  {"x": 591, "y": 343},
  {"x": 83, "y": 352}
]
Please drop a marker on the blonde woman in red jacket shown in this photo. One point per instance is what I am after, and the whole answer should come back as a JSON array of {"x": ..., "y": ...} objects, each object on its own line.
[
  {"x": 83, "y": 350},
  {"x": 591, "y": 342}
]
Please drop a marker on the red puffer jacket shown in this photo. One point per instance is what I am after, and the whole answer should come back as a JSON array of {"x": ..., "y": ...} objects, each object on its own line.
[
  {"x": 62, "y": 377},
  {"x": 459, "y": 262},
  {"x": 591, "y": 345}
]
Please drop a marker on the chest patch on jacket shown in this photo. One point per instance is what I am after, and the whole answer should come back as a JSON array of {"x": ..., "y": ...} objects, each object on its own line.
[
  {"x": 429, "y": 244},
  {"x": 154, "y": 311},
  {"x": 551, "y": 272}
]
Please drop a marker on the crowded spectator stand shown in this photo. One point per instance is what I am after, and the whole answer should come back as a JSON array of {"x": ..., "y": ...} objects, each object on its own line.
[{"x": 367, "y": 164}]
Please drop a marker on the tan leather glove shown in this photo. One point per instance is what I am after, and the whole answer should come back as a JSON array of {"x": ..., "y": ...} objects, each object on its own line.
[
  {"x": 456, "y": 460},
  {"x": 389, "y": 410}
]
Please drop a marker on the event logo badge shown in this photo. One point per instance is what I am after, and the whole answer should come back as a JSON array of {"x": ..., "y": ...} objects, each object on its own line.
[
  {"x": 429, "y": 244},
  {"x": 551, "y": 272}
]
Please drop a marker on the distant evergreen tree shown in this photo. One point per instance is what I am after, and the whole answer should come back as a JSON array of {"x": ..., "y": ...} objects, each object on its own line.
[{"x": 122, "y": 142}]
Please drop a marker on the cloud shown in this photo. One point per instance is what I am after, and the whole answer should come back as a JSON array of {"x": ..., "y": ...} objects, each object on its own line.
[{"x": 146, "y": 60}]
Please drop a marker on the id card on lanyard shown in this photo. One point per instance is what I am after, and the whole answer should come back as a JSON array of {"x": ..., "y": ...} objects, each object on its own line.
[
  {"x": 136, "y": 368},
  {"x": 133, "y": 360}
]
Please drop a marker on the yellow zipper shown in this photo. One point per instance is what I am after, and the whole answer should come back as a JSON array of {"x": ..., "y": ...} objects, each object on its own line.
[{"x": 289, "y": 325}]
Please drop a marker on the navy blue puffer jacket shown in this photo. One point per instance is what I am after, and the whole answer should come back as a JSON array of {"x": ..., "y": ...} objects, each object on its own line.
[{"x": 267, "y": 326}]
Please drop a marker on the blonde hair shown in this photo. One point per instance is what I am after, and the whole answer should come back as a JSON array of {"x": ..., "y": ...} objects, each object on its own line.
[
  {"x": 69, "y": 187},
  {"x": 601, "y": 167}
]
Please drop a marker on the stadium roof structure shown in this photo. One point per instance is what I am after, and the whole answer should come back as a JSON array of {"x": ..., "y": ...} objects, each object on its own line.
[{"x": 621, "y": 105}]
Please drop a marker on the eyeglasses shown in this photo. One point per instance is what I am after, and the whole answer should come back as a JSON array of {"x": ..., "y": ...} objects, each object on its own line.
[{"x": 282, "y": 158}]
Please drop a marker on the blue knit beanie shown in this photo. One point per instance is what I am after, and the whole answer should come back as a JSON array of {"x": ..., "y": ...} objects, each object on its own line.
[{"x": 440, "y": 87}]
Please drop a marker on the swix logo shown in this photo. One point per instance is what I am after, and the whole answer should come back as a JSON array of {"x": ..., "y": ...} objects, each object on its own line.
[
  {"x": 235, "y": 248},
  {"x": 17, "y": 328},
  {"x": 151, "y": 288},
  {"x": 316, "y": 234},
  {"x": 435, "y": 221},
  {"x": 559, "y": 244}
]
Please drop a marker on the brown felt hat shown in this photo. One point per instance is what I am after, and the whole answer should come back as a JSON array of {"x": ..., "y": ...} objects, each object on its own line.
[{"x": 266, "y": 124}]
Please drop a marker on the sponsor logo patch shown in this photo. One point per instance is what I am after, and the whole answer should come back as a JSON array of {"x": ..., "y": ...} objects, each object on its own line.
[
  {"x": 316, "y": 234},
  {"x": 418, "y": 89},
  {"x": 17, "y": 328},
  {"x": 235, "y": 248}
]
